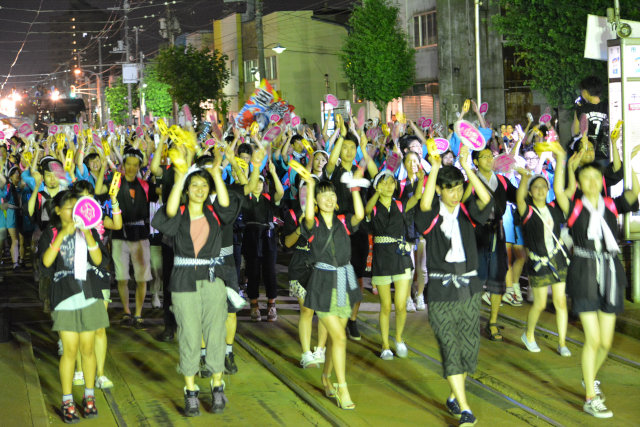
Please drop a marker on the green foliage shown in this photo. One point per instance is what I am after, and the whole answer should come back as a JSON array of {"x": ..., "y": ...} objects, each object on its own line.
[
  {"x": 548, "y": 37},
  {"x": 193, "y": 75},
  {"x": 116, "y": 97},
  {"x": 376, "y": 55},
  {"x": 156, "y": 93}
]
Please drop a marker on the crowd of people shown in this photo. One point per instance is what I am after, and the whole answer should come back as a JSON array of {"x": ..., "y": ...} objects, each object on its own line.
[{"x": 446, "y": 227}]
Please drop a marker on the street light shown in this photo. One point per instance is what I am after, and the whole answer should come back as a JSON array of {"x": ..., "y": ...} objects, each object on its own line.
[{"x": 278, "y": 48}]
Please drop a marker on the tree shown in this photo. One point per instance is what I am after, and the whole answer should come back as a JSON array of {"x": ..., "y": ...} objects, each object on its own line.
[
  {"x": 548, "y": 37},
  {"x": 193, "y": 75},
  {"x": 377, "y": 58},
  {"x": 156, "y": 93},
  {"x": 116, "y": 97}
]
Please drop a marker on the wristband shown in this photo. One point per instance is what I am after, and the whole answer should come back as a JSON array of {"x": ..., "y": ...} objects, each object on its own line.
[
  {"x": 118, "y": 212},
  {"x": 93, "y": 248},
  {"x": 354, "y": 189}
]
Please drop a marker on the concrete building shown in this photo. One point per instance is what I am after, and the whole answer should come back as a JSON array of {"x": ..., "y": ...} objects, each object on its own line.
[{"x": 303, "y": 74}]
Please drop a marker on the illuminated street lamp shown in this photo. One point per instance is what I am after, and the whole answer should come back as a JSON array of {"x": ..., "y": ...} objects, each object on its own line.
[
  {"x": 55, "y": 95},
  {"x": 278, "y": 48},
  {"x": 77, "y": 71}
]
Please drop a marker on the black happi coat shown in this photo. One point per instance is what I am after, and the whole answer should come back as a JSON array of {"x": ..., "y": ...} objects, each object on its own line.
[
  {"x": 391, "y": 222},
  {"x": 259, "y": 234},
  {"x": 438, "y": 245},
  {"x": 300, "y": 264},
  {"x": 183, "y": 279},
  {"x": 533, "y": 233},
  {"x": 337, "y": 253}
]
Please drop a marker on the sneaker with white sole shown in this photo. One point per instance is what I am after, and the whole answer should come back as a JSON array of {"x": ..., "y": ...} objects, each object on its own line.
[
  {"x": 308, "y": 361},
  {"x": 486, "y": 298},
  {"x": 596, "y": 388},
  {"x": 386, "y": 355},
  {"x": 103, "y": 382},
  {"x": 319, "y": 354},
  {"x": 401, "y": 349},
  {"x": 510, "y": 298},
  {"x": 532, "y": 346},
  {"x": 411, "y": 307},
  {"x": 78, "y": 378},
  {"x": 597, "y": 408},
  {"x": 420, "y": 305},
  {"x": 155, "y": 301},
  {"x": 564, "y": 351}
]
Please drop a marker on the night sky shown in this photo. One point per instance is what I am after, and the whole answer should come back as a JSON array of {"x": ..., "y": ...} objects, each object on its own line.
[{"x": 37, "y": 34}]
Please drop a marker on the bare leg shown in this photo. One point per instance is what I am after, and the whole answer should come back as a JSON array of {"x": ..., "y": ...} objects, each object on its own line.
[
  {"x": 70, "y": 342},
  {"x": 141, "y": 292},
  {"x": 496, "y": 300},
  {"x": 562, "y": 316},
  {"x": 123, "y": 290},
  {"x": 591, "y": 328},
  {"x": 322, "y": 335},
  {"x": 538, "y": 306},
  {"x": 338, "y": 352},
  {"x": 100, "y": 350},
  {"x": 384, "y": 292},
  {"x": 456, "y": 382},
  {"x": 403, "y": 287},
  {"x": 607, "y": 329},
  {"x": 87, "y": 344},
  {"x": 13, "y": 233},
  {"x": 304, "y": 326},
  {"x": 230, "y": 325}
]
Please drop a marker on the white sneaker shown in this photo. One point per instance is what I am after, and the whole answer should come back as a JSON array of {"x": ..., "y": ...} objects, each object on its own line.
[
  {"x": 596, "y": 388},
  {"x": 420, "y": 305},
  {"x": 308, "y": 361},
  {"x": 401, "y": 349},
  {"x": 78, "y": 378},
  {"x": 386, "y": 355},
  {"x": 510, "y": 298},
  {"x": 60, "y": 348},
  {"x": 155, "y": 301},
  {"x": 597, "y": 408},
  {"x": 564, "y": 351},
  {"x": 532, "y": 346},
  {"x": 411, "y": 307},
  {"x": 319, "y": 354},
  {"x": 486, "y": 298},
  {"x": 103, "y": 382}
]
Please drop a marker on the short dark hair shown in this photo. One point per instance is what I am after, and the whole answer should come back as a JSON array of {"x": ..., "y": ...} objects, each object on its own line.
[
  {"x": 405, "y": 140},
  {"x": 593, "y": 85},
  {"x": 90, "y": 157},
  {"x": 203, "y": 160},
  {"x": 449, "y": 177},
  {"x": 475, "y": 154},
  {"x": 201, "y": 173},
  {"x": 592, "y": 165},
  {"x": 325, "y": 185},
  {"x": 57, "y": 202},
  {"x": 246, "y": 149},
  {"x": 80, "y": 186}
]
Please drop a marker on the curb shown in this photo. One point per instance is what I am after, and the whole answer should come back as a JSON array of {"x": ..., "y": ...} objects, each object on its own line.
[{"x": 32, "y": 381}]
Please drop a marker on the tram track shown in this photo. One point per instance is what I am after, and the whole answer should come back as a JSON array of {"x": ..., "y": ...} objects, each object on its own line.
[{"x": 546, "y": 332}]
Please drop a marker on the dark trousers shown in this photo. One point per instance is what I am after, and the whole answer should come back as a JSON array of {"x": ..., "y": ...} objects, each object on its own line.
[
  {"x": 167, "y": 266},
  {"x": 237, "y": 257},
  {"x": 262, "y": 267}
]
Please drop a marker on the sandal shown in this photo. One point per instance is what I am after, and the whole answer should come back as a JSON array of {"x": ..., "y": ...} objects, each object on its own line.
[
  {"x": 329, "y": 391},
  {"x": 493, "y": 337},
  {"x": 343, "y": 405}
]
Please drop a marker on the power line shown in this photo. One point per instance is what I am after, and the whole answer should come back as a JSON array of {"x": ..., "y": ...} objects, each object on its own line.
[{"x": 18, "y": 54}]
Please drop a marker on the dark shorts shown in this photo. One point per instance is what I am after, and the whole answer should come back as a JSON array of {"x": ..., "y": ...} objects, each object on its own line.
[
  {"x": 547, "y": 278},
  {"x": 488, "y": 271},
  {"x": 456, "y": 325},
  {"x": 90, "y": 318},
  {"x": 601, "y": 304}
]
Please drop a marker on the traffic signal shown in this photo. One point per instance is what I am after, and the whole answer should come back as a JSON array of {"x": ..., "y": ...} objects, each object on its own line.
[{"x": 72, "y": 92}]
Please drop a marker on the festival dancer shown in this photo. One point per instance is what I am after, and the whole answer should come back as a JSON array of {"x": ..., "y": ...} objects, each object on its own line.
[
  {"x": 453, "y": 294},
  {"x": 595, "y": 278},
  {"x": 74, "y": 257},
  {"x": 333, "y": 290},
  {"x": 199, "y": 297},
  {"x": 389, "y": 220}
]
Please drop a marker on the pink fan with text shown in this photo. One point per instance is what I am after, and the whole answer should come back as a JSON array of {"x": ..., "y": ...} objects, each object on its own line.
[
  {"x": 287, "y": 118},
  {"x": 426, "y": 123},
  {"x": 442, "y": 145},
  {"x": 484, "y": 107},
  {"x": 332, "y": 100},
  {"x": 139, "y": 132},
  {"x": 373, "y": 133},
  {"x": 469, "y": 135},
  {"x": 545, "y": 118},
  {"x": 147, "y": 121},
  {"x": 393, "y": 161},
  {"x": 271, "y": 134},
  {"x": 210, "y": 141},
  {"x": 25, "y": 130},
  {"x": 187, "y": 113},
  {"x": 96, "y": 140},
  {"x": 275, "y": 118},
  {"x": 216, "y": 131},
  {"x": 504, "y": 163},
  {"x": 87, "y": 213},
  {"x": 58, "y": 171},
  {"x": 111, "y": 126},
  {"x": 295, "y": 121},
  {"x": 361, "y": 118},
  {"x": 76, "y": 129},
  {"x": 53, "y": 129}
]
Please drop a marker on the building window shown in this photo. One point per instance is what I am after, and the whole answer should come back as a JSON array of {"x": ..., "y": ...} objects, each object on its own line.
[
  {"x": 425, "y": 30},
  {"x": 251, "y": 69},
  {"x": 232, "y": 67}
]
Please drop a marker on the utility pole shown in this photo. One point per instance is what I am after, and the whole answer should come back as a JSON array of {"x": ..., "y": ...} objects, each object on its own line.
[
  {"x": 127, "y": 50},
  {"x": 260, "y": 41},
  {"x": 99, "y": 81},
  {"x": 140, "y": 56},
  {"x": 169, "y": 27}
]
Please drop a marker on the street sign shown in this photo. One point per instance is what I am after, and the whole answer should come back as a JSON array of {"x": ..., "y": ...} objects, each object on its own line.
[{"x": 129, "y": 73}]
